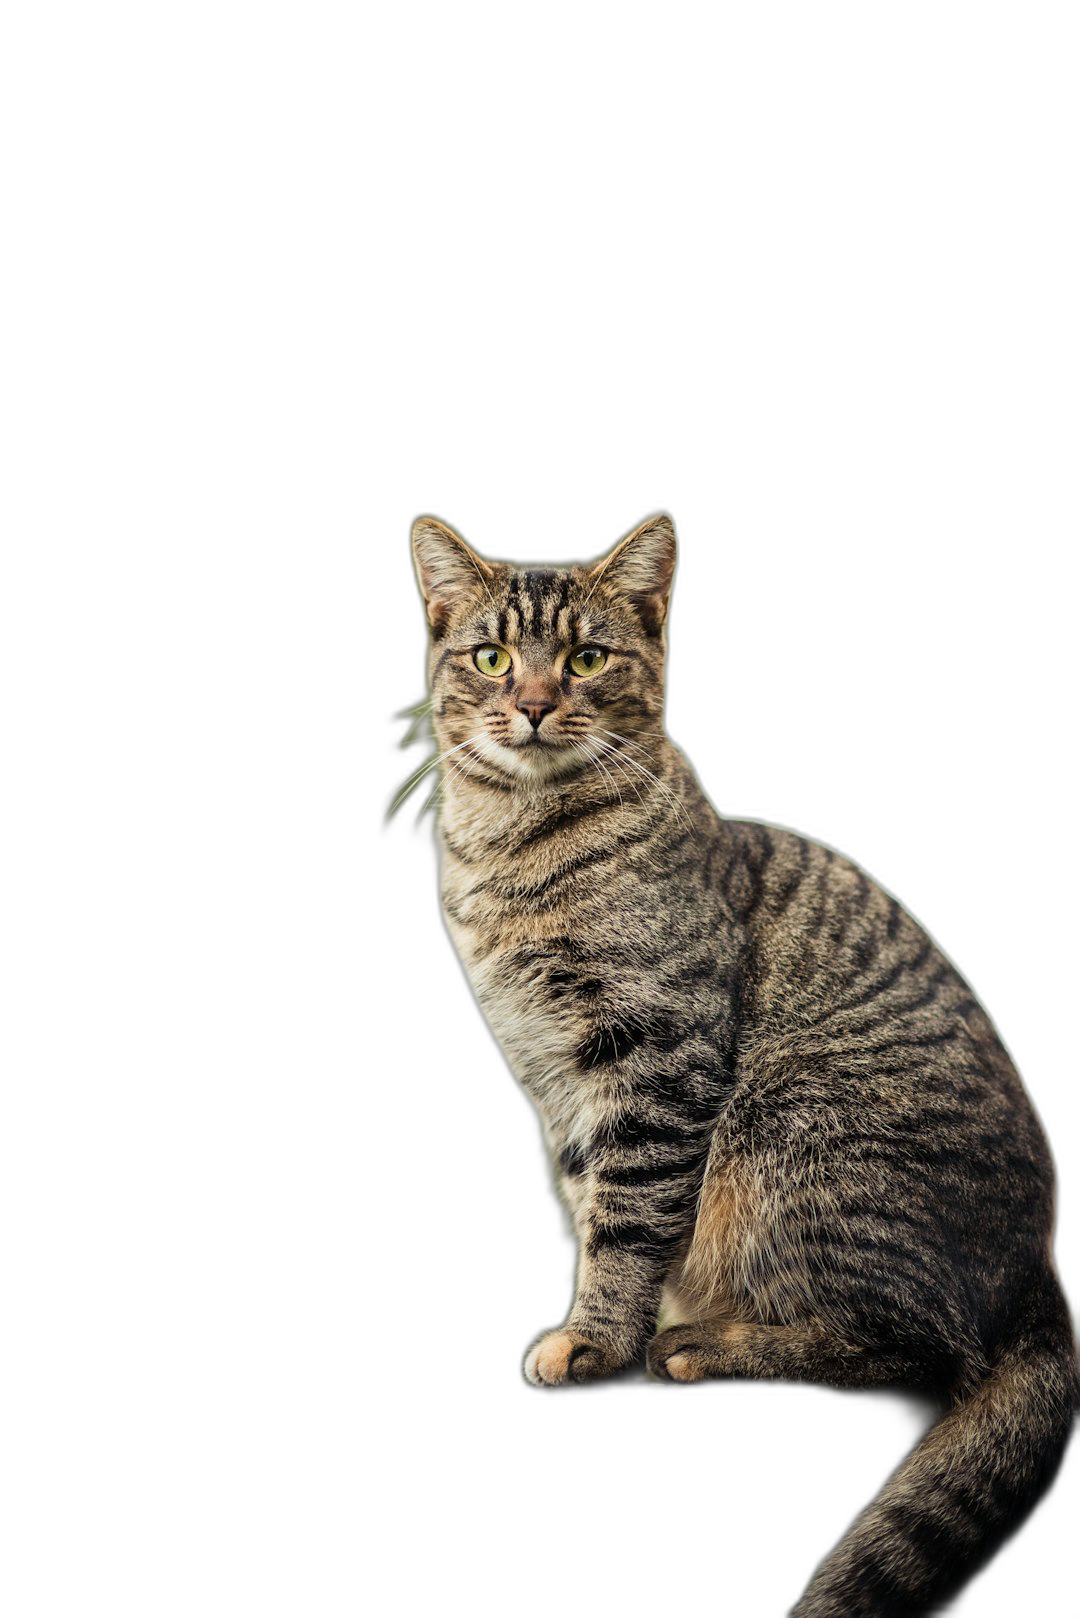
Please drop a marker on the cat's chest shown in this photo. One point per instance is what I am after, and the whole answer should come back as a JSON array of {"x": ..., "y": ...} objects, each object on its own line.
[
  {"x": 541, "y": 1033},
  {"x": 529, "y": 972},
  {"x": 524, "y": 976}
]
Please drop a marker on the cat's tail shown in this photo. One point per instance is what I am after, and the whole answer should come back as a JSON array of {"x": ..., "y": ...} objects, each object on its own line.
[{"x": 971, "y": 1481}]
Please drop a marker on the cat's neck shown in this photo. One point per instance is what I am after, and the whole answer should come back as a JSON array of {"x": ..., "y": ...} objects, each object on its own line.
[{"x": 483, "y": 809}]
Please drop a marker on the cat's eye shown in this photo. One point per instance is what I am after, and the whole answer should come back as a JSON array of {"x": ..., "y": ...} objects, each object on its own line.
[
  {"x": 492, "y": 660},
  {"x": 587, "y": 660}
]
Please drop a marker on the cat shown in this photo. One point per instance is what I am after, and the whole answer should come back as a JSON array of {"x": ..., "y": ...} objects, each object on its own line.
[{"x": 789, "y": 1138}]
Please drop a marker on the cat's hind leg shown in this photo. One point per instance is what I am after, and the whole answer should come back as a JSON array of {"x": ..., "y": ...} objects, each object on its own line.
[{"x": 807, "y": 1352}]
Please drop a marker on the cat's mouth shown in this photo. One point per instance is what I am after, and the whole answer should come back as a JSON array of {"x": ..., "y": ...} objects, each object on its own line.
[{"x": 537, "y": 756}]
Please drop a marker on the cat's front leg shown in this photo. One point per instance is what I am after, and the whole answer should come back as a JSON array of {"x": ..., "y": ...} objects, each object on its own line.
[{"x": 635, "y": 1205}]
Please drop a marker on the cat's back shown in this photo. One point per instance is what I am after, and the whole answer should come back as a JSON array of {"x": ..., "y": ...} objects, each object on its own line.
[
  {"x": 862, "y": 1042},
  {"x": 841, "y": 973},
  {"x": 832, "y": 955}
]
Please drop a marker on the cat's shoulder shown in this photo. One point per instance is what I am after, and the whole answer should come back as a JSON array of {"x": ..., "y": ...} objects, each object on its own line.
[
  {"x": 764, "y": 841},
  {"x": 789, "y": 868}
]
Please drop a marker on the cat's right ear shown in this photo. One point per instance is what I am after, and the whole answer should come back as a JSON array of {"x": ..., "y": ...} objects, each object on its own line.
[{"x": 447, "y": 570}]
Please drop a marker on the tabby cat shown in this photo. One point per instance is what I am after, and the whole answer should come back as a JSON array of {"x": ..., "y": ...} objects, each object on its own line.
[{"x": 779, "y": 1119}]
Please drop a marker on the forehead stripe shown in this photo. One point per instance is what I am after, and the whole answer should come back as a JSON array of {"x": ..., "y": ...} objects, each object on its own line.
[
  {"x": 539, "y": 602},
  {"x": 536, "y": 583}
]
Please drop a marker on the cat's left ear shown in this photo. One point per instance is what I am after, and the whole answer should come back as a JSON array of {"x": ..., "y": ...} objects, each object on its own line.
[{"x": 641, "y": 567}]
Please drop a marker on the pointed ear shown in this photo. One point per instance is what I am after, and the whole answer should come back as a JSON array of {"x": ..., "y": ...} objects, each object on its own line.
[
  {"x": 446, "y": 568},
  {"x": 641, "y": 567}
]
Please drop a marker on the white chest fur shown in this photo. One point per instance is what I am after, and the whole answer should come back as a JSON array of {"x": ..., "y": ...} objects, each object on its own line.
[{"x": 540, "y": 1033}]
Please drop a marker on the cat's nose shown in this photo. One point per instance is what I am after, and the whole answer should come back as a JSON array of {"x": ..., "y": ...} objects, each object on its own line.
[{"x": 535, "y": 711}]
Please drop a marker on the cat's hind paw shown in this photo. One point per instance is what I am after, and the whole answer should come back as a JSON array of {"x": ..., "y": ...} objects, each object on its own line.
[
  {"x": 687, "y": 1354},
  {"x": 567, "y": 1356}
]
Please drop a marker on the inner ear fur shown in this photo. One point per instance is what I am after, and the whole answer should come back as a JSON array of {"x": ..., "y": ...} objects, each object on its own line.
[
  {"x": 447, "y": 570},
  {"x": 641, "y": 568}
]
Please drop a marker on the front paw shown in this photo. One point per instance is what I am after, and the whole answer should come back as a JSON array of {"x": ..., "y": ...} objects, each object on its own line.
[{"x": 568, "y": 1356}]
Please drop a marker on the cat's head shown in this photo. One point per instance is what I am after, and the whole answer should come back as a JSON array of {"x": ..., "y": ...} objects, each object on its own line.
[{"x": 536, "y": 671}]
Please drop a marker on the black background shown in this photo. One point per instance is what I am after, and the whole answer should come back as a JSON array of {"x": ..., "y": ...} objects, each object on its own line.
[{"x": 863, "y": 648}]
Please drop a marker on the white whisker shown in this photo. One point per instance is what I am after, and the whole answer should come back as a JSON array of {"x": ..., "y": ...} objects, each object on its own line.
[
  {"x": 672, "y": 797},
  {"x": 580, "y": 747},
  {"x": 595, "y": 762},
  {"x": 635, "y": 745},
  {"x": 617, "y": 763},
  {"x": 418, "y": 775}
]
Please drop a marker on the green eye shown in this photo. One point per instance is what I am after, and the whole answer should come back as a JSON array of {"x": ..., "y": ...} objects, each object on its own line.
[
  {"x": 587, "y": 660},
  {"x": 492, "y": 660}
]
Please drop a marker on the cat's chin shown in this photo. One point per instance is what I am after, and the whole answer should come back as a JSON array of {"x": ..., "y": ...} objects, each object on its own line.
[{"x": 536, "y": 762}]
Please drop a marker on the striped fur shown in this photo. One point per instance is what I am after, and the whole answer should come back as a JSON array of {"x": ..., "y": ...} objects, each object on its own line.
[{"x": 777, "y": 1115}]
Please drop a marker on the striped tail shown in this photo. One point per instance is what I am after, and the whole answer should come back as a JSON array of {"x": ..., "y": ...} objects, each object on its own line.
[{"x": 971, "y": 1481}]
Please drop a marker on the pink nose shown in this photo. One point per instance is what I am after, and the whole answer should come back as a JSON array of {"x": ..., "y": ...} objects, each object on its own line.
[{"x": 535, "y": 711}]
